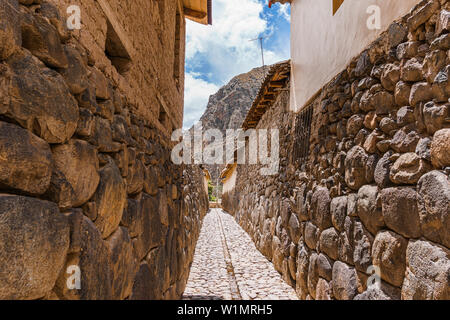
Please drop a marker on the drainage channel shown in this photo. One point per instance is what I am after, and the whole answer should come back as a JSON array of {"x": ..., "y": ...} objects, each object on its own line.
[{"x": 234, "y": 287}]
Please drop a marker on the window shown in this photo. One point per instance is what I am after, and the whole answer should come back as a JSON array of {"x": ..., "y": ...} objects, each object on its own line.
[
  {"x": 302, "y": 134},
  {"x": 116, "y": 52},
  {"x": 177, "y": 49}
]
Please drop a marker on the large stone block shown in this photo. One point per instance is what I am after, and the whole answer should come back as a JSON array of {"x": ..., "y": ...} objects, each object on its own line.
[
  {"x": 434, "y": 206},
  {"x": 42, "y": 39},
  {"x": 369, "y": 210},
  {"x": 78, "y": 163},
  {"x": 94, "y": 262},
  {"x": 38, "y": 99},
  {"x": 427, "y": 272},
  {"x": 25, "y": 160},
  {"x": 400, "y": 211},
  {"x": 408, "y": 169},
  {"x": 389, "y": 254},
  {"x": 124, "y": 264},
  {"x": 362, "y": 241},
  {"x": 110, "y": 199},
  {"x": 34, "y": 240},
  {"x": 320, "y": 208},
  {"x": 329, "y": 242},
  {"x": 344, "y": 281},
  {"x": 10, "y": 33},
  {"x": 355, "y": 168},
  {"x": 440, "y": 149}
]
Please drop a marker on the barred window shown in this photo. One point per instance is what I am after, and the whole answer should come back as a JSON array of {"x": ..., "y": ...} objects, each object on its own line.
[{"x": 302, "y": 134}]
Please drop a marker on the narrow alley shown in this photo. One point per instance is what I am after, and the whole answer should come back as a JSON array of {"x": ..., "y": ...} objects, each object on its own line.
[{"x": 227, "y": 265}]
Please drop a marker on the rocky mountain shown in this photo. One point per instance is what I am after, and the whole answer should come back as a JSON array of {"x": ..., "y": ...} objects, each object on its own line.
[{"x": 228, "y": 108}]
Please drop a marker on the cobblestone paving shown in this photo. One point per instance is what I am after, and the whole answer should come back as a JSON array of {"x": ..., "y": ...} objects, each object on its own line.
[{"x": 227, "y": 265}]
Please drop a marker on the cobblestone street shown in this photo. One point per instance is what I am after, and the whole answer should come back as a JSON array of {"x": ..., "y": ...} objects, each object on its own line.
[{"x": 228, "y": 266}]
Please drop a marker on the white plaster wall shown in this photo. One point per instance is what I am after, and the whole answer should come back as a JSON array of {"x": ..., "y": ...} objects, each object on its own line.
[{"x": 322, "y": 45}]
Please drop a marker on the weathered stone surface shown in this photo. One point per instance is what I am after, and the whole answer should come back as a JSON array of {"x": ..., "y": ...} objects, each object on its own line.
[
  {"x": 408, "y": 169},
  {"x": 34, "y": 239},
  {"x": 338, "y": 210},
  {"x": 78, "y": 163},
  {"x": 344, "y": 281},
  {"x": 329, "y": 241},
  {"x": 325, "y": 267},
  {"x": 443, "y": 22},
  {"x": 389, "y": 254},
  {"x": 420, "y": 92},
  {"x": 407, "y": 50},
  {"x": 440, "y": 149},
  {"x": 53, "y": 116},
  {"x": 94, "y": 261},
  {"x": 355, "y": 168},
  {"x": 362, "y": 241},
  {"x": 390, "y": 76},
  {"x": 422, "y": 14},
  {"x": 301, "y": 283},
  {"x": 110, "y": 199},
  {"x": 441, "y": 85},
  {"x": 400, "y": 211},
  {"x": 427, "y": 272},
  {"x": 324, "y": 290},
  {"x": 313, "y": 274},
  {"x": 123, "y": 263},
  {"x": 311, "y": 235},
  {"x": 433, "y": 63},
  {"x": 142, "y": 288},
  {"x": 405, "y": 141},
  {"x": 368, "y": 208},
  {"x": 402, "y": 93},
  {"x": 100, "y": 84},
  {"x": 382, "y": 170},
  {"x": 135, "y": 179},
  {"x": 423, "y": 149},
  {"x": 42, "y": 39},
  {"x": 434, "y": 116},
  {"x": 150, "y": 227},
  {"x": 320, "y": 208},
  {"x": 382, "y": 292},
  {"x": 434, "y": 206},
  {"x": 354, "y": 124},
  {"x": 10, "y": 33},
  {"x": 75, "y": 74},
  {"x": 132, "y": 218},
  {"x": 25, "y": 160}
]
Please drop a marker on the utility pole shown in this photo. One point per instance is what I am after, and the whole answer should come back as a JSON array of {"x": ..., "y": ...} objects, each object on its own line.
[{"x": 261, "y": 38}]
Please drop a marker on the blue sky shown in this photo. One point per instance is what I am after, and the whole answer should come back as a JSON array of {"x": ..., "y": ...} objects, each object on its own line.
[{"x": 217, "y": 53}]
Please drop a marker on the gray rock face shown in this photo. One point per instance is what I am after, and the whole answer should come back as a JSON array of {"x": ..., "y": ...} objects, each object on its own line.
[
  {"x": 368, "y": 209},
  {"x": 400, "y": 211},
  {"x": 434, "y": 206},
  {"x": 34, "y": 240},
  {"x": 388, "y": 254},
  {"x": 427, "y": 273},
  {"x": 38, "y": 99},
  {"x": 355, "y": 168},
  {"x": 25, "y": 160},
  {"x": 344, "y": 281}
]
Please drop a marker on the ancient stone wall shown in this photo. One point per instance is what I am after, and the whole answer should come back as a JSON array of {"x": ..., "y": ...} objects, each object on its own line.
[
  {"x": 86, "y": 180},
  {"x": 374, "y": 191}
]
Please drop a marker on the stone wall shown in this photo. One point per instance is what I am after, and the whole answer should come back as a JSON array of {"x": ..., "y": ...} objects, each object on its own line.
[
  {"x": 374, "y": 190},
  {"x": 86, "y": 180}
]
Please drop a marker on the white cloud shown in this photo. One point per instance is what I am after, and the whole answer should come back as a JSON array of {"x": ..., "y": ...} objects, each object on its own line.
[
  {"x": 196, "y": 96},
  {"x": 285, "y": 13},
  {"x": 224, "y": 49}
]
